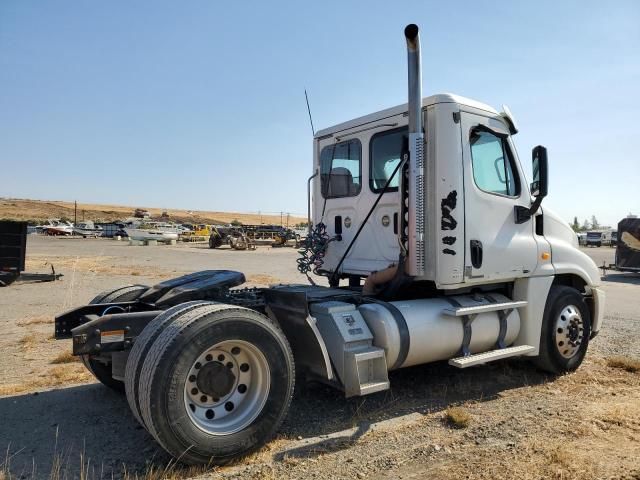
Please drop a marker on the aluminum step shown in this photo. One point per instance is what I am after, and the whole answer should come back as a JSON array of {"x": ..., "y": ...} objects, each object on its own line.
[
  {"x": 490, "y": 356},
  {"x": 490, "y": 307},
  {"x": 365, "y": 371},
  {"x": 373, "y": 387}
]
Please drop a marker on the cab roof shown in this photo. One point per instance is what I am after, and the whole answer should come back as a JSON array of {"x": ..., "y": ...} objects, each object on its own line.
[{"x": 399, "y": 109}]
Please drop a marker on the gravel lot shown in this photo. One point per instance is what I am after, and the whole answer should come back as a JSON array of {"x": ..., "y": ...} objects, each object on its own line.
[{"x": 522, "y": 423}]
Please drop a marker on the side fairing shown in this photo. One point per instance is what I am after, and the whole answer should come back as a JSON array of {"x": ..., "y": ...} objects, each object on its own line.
[{"x": 444, "y": 215}]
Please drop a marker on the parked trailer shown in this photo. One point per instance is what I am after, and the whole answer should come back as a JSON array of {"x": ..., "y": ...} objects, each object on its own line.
[
  {"x": 247, "y": 236},
  {"x": 628, "y": 245},
  {"x": 479, "y": 272}
]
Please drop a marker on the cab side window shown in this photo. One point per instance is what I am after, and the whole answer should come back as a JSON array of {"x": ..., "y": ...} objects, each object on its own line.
[
  {"x": 492, "y": 163},
  {"x": 385, "y": 152},
  {"x": 340, "y": 169}
]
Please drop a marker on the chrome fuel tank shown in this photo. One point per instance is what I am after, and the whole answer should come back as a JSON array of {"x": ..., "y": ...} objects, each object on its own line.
[{"x": 430, "y": 335}]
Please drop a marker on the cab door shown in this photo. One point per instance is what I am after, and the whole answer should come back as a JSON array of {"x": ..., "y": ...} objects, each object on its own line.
[{"x": 496, "y": 247}]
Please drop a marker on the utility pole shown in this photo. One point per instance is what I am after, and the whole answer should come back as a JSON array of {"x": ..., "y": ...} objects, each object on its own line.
[
  {"x": 75, "y": 212},
  {"x": 288, "y": 215},
  {"x": 280, "y": 218}
]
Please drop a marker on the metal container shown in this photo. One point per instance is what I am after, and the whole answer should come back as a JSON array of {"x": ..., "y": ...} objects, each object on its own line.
[{"x": 434, "y": 336}]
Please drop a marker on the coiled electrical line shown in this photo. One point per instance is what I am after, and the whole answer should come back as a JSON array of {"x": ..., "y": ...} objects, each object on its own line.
[{"x": 313, "y": 250}]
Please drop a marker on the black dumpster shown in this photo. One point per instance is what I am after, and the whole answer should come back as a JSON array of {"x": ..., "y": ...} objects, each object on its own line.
[{"x": 13, "y": 245}]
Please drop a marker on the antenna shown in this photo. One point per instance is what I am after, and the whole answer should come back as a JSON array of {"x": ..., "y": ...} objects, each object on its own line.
[{"x": 313, "y": 130}]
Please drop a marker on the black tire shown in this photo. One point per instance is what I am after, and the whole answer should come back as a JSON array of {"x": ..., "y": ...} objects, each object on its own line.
[
  {"x": 101, "y": 370},
  {"x": 215, "y": 242},
  {"x": 141, "y": 347},
  {"x": 551, "y": 358},
  {"x": 126, "y": 293},
  {"x": 164, "y": 376}
]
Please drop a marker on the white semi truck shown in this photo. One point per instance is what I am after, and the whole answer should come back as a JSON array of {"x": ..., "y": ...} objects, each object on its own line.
[{"x": 445, "y": 254}]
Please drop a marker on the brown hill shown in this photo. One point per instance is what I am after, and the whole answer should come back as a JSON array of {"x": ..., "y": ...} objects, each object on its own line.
[{"x": 38, "y": 211}]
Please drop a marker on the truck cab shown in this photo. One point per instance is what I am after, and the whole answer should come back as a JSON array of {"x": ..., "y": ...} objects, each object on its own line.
[{"x": 471, "y": 236}]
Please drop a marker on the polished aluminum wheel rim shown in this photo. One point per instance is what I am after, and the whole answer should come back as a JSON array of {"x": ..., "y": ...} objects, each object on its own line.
[
  {"x": 569, "y": 331},
  {"x": 222, "y": 402}
]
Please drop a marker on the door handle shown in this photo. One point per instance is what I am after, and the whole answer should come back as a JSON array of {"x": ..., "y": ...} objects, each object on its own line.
[
  {"x": 337, "y": 227},
  {"x": 476, "y": 253}
]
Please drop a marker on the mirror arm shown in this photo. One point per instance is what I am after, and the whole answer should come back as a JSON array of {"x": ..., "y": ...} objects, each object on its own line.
[{"x": 523, "y": 214}]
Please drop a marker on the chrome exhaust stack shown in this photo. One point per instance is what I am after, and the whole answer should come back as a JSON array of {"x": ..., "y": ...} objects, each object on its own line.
[{"x": 415, "y": 266}]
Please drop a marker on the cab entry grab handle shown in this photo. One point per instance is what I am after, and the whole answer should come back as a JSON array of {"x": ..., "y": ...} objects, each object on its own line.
[{"x": 476, "y": 253}]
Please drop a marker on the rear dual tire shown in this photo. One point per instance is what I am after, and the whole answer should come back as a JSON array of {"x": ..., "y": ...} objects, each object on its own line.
[{"x": 215, "y": 383}]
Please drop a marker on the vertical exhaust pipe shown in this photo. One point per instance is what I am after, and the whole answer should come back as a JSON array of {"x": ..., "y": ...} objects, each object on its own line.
[
  {"x": 415, "y": 266},
  {"x": 411, "y": 34}
]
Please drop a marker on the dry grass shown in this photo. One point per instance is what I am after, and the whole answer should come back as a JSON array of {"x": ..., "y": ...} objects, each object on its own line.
[
  {"x": 21, "y": 209},
  {"x": 35, "y": 320},
  {"x": 61, "y": 375},
  {"x": 171, "y": 471},
  {"x": 92, "y": 264},
  {"x": 29, "y": 341},
  {"x": 631, "y": 365},
  {"x": 65, "y": 357},
  {"x": 458, "y": 417}
]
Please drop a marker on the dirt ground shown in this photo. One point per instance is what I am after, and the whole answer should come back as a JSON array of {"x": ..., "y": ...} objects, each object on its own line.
[{"x": 511, "y": 421}]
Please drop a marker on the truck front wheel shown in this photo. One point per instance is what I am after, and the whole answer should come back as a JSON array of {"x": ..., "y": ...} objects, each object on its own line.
[
  {"x": 566, "y": 328},
  {"x": 216, "y": 383}
]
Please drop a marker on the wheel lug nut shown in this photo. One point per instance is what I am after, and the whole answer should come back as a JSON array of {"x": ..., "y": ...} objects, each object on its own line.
[
  {"x": 208, "y": 358},
  {"x": 203, "y": 398},
  {"x": 210, "y": 414},
  {"x": 229, "y": 365},
  {"x": 244, "y": 367},
  {"x": 242, "y": 388},
  {"x": 194, "y": 391},
  {"x": 221, "y": 358},
  {"x": 228, "y": 406}
]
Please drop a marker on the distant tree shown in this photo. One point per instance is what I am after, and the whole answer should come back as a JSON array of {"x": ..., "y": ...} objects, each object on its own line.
[
  {"x": 236, "y": 223},
  {"x": 585, "y": 225},
  {"x": 594, "y": 222},
  {"x": 575, "y": 225}
]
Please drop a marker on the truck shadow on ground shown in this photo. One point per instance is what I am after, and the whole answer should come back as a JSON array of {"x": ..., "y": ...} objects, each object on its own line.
[
  {"x": 90, "y": 427},
  {"x": 319, "y": 410}
]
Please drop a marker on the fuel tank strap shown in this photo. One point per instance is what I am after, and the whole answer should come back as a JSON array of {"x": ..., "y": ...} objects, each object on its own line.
[{"x": 405, "y": 339}]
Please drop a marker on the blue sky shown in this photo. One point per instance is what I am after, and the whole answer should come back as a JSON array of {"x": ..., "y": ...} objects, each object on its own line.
[{"x": 200, "y": 104}]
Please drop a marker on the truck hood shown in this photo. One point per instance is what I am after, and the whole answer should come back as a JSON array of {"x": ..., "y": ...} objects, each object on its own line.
[{"x": 566, "y": 256}]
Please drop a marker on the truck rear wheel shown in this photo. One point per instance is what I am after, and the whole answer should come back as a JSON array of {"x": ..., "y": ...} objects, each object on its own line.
[
  {"x": 216, "y": 383},
  {"x": 566, "y": 328},
  {"x": 98, "y": 368},
  {"x": 141, "y": 347}
]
